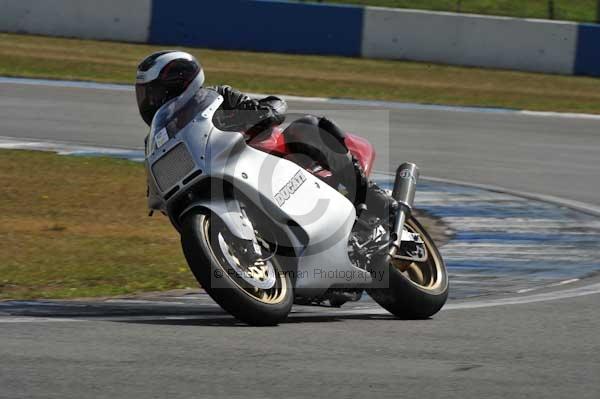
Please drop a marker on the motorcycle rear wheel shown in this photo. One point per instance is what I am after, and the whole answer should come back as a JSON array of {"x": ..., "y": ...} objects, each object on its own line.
[
  {"x": 202, "y": 243},
  {"x": 414, "y": 290}
]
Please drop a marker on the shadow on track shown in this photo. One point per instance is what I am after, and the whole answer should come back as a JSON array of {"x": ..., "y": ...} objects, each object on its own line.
[
  {"x": 231, "y": 322},
  {"x": 164, "y": 313}
]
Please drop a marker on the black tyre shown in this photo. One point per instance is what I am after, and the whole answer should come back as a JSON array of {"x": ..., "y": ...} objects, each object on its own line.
[
  {"x": 210, "y": 259},
  {"x": 415, "y": 290}
]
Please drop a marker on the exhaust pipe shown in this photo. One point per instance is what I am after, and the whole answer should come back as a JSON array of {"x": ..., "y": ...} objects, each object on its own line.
[{"x": 405, "y": 187}]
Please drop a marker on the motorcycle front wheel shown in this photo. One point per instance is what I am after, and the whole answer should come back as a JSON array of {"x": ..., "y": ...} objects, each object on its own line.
[
  {"x": 413, "y": 290},
  {"x": 257, "y": 294}
]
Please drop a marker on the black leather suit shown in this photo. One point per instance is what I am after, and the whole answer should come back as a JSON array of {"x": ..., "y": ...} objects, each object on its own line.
[{"x": 316, "y": 137}]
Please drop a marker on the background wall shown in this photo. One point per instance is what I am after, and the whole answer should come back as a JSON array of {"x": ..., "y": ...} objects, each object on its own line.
[
  {"x": 258, "y": 25},
  {"x": 264, "y": 25},
  {"x": 587, "y": 54},
  {"x": 496, "y": 42},
  {"x": 120, "y": 20}
]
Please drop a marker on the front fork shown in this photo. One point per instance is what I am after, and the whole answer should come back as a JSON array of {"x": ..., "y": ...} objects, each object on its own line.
[{"x": 405, "y": 187}]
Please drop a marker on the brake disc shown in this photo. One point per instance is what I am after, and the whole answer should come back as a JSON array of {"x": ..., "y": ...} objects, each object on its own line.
[{"x": 259, "y": 274}]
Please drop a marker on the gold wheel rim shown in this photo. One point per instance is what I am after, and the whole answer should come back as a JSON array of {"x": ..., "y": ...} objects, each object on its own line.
[
  {"x": 272, "y": 295},
  {"x": 426, "y": 275}
]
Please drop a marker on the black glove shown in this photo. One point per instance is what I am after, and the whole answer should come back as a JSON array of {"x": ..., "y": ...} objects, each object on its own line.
[
  {"x": 278, "y": 107},
  {"x": 263, "y": 114},
  {"x": 253, "y": 116},
  {"x": 243, "y": 118}
]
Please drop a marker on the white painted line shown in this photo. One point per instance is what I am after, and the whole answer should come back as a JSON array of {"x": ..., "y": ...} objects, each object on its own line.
[
  {"x": 558, "y": 284},
  {"x": 18, "y": 319},
  {"x": 577, "y": 205},
  {"x": 143, "y": 302},
  {"x": 82, "y": 319},
  {"x": 563, "y": 294},
  {"x": 564, "y": 282},
  {"x": 66, "y": 83},
  {"x": 219, "y": 316},
  {"x": 335, "y": 101},
  {"x": 69, "y": 149},
  {"x": 592, "y": 289},
  {"x": 137, "y": 154},
  {"x": 525, "y": 290}
]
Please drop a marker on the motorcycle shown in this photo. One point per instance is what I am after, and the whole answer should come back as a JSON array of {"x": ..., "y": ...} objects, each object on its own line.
[{"x": 261, "y": 231}]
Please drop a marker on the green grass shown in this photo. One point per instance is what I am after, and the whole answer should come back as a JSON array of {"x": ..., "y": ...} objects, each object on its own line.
[
  {"x": 570, "y": 10},
  {"x": 78, "y": 227},
  {"x": 75, "y": 227},
  {"x": 55, "y": 58}
]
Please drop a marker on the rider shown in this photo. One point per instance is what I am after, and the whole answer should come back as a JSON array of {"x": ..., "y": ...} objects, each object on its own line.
[{"x": 165, "y": 75}]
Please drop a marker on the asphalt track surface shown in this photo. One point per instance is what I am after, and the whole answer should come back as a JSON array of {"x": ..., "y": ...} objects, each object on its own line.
[{"x": 544, "y": 346}]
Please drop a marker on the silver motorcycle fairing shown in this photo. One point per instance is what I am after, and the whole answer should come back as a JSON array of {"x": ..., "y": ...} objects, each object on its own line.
[
  {"x": 229, "y": 212},
  {"x": 290, "y": 196},
  {"x": 168, "y": 150},
  {"x": 325, "y": 215}
]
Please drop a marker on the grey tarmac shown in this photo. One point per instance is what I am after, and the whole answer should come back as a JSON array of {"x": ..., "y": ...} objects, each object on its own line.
[{"x": 539, "y": 349}]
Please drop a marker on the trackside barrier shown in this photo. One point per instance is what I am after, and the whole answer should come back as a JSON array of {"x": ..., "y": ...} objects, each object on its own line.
[
  {"x": 87, "y": 19},
  {"x": 305, "y": 28}
]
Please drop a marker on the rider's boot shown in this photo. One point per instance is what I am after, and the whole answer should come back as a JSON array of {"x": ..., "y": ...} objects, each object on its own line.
[{"x": 378, "y": 202}]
